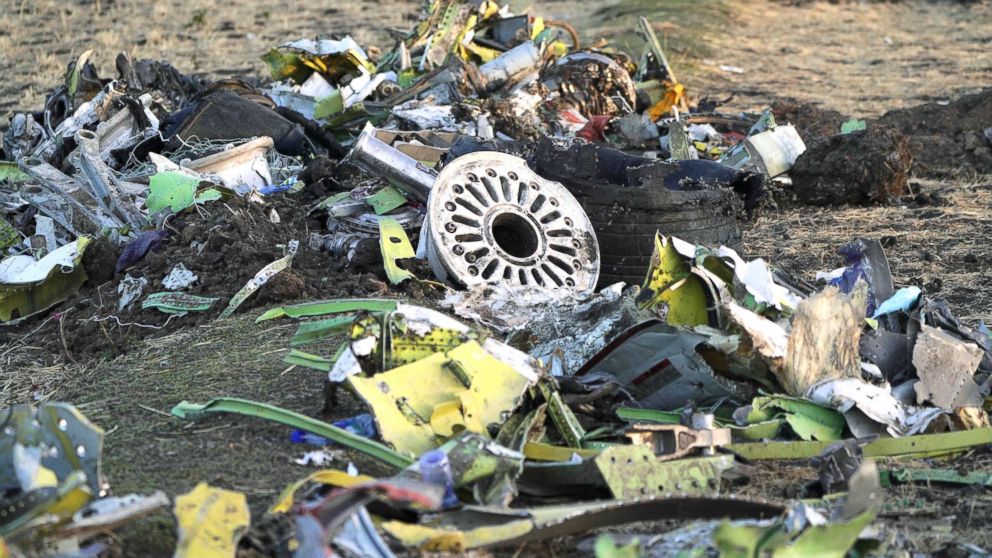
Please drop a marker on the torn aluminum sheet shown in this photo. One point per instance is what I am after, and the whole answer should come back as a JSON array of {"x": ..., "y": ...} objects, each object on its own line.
[
  {"x": 179, "y": 278},
  {"x": 659, "y": 365},
  {"x": 327, "y": 477},
  {"x": 486, "y": 527},
  {"x": 261, "y": 278},
  {"x": 173, "y": 190},
  {"x": 338, "y": 306},
  {"x": 575, "y": 327},
  {"x": 465, "y": 388},
  {"x": 493, "y": 220},
  {"x": 178, "y": 303},
  {"x": 29, "y": 286},
  {"x": 395, "y": 246},
  {"x": 837, "y": 464},
  {"x": 211, "y": 520},
  {"x": 871, "y": 409},
  {"x": 87, "y": 113},
  {"x": 237, "y": 165},
  {"x": 386, "y": 200},
  {"x": 426, "y": 116},
  {"x": 890, "y": 352},
  {"x": 360, "y": 537},
  {"x": 483, "y": 465},
  {"x": 63, "y": 199},
  {"x": 927, "y": 477},
  {"x": 500, "y": 488},
  {"x": 946, "y": 367},
  {"x": 937, "y": 313},
  {"x": 129, "y": 290},
  {"x": 757, "y": 278},
  {"x": 22, "y": 135}
]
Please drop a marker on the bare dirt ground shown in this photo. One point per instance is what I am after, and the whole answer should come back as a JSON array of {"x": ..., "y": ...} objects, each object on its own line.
[{"x": 857, "y": 58}]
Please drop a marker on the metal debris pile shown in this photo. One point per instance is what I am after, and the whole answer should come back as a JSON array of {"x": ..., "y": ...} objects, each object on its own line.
[{"x": 520, "y": 180}]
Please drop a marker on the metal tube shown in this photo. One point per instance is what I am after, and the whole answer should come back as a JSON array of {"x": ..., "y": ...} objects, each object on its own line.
[
  {"x": 376, "y": 157},
  {"x": 518, "y": 59}
]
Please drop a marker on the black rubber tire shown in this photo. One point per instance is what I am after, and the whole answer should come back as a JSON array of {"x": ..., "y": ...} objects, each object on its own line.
[{"x": 628, "y": 199}]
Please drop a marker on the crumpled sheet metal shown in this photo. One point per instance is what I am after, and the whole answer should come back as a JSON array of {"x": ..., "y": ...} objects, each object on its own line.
[
  {"x": 50, "y": 464},
  {"x": 480, "y": 527},
  {"x": 871, "y": 409},
  {"x": 320, "y": 519},
  {"x": 830, "y": 540},
  {"x": 658, "y": 364},
  {"x": 29, "y": 286},
  {"x": 673, "y": 288},
  {"x": 565, "y": 327},
  {"x": 464, "y": 388},
  {"x": 810, "y": 420}
]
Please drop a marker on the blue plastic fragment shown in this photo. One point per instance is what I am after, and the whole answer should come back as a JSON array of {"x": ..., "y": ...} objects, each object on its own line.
[{"x": 901, "y": 301}]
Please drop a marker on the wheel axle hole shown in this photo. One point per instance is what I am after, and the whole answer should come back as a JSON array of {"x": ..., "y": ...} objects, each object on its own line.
[{"x": 515, "y": 235}]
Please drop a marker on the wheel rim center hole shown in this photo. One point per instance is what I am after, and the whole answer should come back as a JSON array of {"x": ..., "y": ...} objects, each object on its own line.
[{"x": 515, "y": 235}]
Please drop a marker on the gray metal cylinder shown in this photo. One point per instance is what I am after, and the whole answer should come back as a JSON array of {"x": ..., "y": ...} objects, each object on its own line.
[
  {"x": 376, "y": 157},
  {"x": 518, "y": 59}
]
